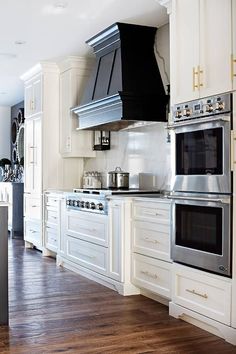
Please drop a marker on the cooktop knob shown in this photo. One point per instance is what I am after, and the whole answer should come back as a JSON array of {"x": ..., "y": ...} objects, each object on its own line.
[
  {"x": 87, "y": 205},
  {"x": 75, "y": 203},
  {"x": 81, "y": 204},
  {"x": 68, "y": 202},
  {"x": 219, "y": 106},
  {"x": 100, "y": 206},
  {"x": 209, "y": 108},
  {"x": 92, "y": 205}
]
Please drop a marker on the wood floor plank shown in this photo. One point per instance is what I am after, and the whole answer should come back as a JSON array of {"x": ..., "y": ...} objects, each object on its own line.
[{"x": 53, "y": 310}]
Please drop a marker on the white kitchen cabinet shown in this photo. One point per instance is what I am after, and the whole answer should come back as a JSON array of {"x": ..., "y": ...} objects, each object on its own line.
[
  {"x": 151, "y": 263},
  {"x": 52, "y": 220},
  {"x": 204, "y": 293},
  {"x": 98, "y": 245},
  {"x": 74, "y": 72},
  {"x": 201, "y": 48},
  {"x": 33, "y": 96},
  {"x": 32, "y": 160},
  {"x": 233, "y": 58}
]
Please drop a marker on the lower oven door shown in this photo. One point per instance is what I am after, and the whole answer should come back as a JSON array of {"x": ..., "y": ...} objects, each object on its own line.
[{"x": 201, "y": 233}]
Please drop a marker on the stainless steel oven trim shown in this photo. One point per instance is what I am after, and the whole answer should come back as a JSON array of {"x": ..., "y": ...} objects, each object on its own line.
[
  {"x": 220, "y": 264},
  {"x": 224, "y": 118},
  {"x": 205, "y": 183}
]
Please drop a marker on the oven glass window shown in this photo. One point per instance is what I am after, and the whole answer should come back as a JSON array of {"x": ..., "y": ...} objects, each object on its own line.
[
  {"x": 200, "y": 152},
  {"x": 199, "y": 227}
]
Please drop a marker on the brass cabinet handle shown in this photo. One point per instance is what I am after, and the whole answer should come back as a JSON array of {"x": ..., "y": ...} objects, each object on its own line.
[
  {"x": 151, "y": 240},
  {"x": 196, "y": 293},
  {"x": 200, "y": 71},
  {"x": 195, "y": 74},
  {"x": 148, "y": 274},
  {"x": 233, "y": 62}
]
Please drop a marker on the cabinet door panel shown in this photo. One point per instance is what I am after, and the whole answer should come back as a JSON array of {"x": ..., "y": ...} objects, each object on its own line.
[
  {"x": 215, "y": 46},
  {"x": 37, "y": 96},
  {"x": 28, "y": 100},
  {"x": 233, "y": 67},
  {"x": 29, "y": 155},
  {"x": 37, "y": 156},
  {"x": 184, "y": 41}
]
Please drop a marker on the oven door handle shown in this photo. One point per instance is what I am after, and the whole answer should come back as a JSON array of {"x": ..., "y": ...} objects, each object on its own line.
[
  {"x": 197, "y": 121},
  {"x": 214, "y": 200}
]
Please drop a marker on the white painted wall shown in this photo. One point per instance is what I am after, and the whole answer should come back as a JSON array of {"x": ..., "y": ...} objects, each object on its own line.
[
  {"x": 144, "y": 149},
  {"x": 5, "y": 132}
]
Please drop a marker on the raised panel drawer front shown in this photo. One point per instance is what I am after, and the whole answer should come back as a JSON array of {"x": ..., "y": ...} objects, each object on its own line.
[
  {"x": 149, "y": 211},
  {"x": 32, "y": 207},
  {"x": 32, "y": 232},
  {"x": 207, "y": 294},
  {"x": 51, "y": 201},
  {"x": 87, "y": 254},
  {"x": 151, "y": 274},
  {"x": 51, "y": 238},
  {"x": 151, "y": 239},
  {"x": 51, "y": 215},
  {"x": 82, "y": 225}
]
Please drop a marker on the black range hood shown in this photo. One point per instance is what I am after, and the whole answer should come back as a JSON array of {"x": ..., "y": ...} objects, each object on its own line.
[{"x": 125, "y": 85}]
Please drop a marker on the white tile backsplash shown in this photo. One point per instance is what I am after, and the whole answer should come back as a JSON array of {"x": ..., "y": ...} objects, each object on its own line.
[{"x": 136, "y": 151}]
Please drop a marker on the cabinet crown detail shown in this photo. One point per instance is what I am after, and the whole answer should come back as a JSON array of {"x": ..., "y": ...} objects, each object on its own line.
[{"x": 43, "y": 66}]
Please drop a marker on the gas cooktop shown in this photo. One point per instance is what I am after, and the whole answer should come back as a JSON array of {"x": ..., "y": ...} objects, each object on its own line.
[{"x": 107, "y": 191}]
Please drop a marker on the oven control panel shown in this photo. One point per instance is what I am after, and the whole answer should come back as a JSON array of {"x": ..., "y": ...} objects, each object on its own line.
[
  {"x": 209, "y": 106},
  {"x": 87, "y": 203}
]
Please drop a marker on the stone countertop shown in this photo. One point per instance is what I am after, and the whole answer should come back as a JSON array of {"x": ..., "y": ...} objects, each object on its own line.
[{"x": 158, "y": 197}]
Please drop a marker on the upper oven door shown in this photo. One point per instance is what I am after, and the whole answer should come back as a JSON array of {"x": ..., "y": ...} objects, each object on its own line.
[{"x": 202, "y": 157}]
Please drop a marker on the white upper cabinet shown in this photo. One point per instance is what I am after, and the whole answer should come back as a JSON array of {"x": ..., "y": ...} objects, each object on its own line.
[
  {"x": 33, "y": 96},
  {"x": 233, "y": 57},
  {"x": 74, "y": 72},
  {"x": 201, "y": 48}
]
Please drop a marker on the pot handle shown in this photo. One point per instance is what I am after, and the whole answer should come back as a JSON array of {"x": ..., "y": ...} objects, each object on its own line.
[{"x": 118, "y": 169}]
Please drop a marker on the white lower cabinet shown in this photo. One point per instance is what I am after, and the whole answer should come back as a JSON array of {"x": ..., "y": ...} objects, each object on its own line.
[
  {"x": 32, "y": 232},
  {"x": 87, "y": 254},
  {"x": 98, "y": 245},
  {"x": 151, "y": 263},
  {"x": 152, "y": 274},
  {"x": 204, "y": 293},
  {"x": 52, "y": 220}
]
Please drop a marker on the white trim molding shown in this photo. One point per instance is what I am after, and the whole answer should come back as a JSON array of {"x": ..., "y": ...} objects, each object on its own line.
[{"x": 165, "y": 3}]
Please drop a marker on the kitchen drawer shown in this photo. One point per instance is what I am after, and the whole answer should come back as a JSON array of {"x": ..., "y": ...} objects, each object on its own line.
[
  {"x": 32, "y": 207},
  {"x": 32, "y": 232},
  {"x": 51, "y": 215},
  {"x": 87, "y": 226},
  {"x": 207, "y": 294},
  {"x": 151, "y": 239},
  {"x": 154, "y": 212},
  {"x": 87, "y": 254},
  {"x": 151, "y": 274},
  {"x": 51, "y": 238},
  {"x": 51, "y": 200}
]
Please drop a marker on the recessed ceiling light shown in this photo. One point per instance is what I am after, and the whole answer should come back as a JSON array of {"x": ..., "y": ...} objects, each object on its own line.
[
  {"x": 19, "y": 42},
  {"x": 7, "y": 56},
  {"x": 60, "y": 5}
]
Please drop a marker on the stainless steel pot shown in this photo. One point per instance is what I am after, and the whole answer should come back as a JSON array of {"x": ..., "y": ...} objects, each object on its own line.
[{"x": 118, "y": 179}]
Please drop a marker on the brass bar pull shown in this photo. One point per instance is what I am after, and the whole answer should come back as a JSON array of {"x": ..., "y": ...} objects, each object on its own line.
[
  {"x": 195, "y": 73},
  {"x": 200, "y": 71},
  {"x": 233, "y": 62},
  {"x": 148, "y": 274},
  {"x": 196, "y": 293},
  {"x": 148, "y": 239}
]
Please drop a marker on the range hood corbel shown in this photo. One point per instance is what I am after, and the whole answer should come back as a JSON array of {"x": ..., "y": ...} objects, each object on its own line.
[{"x": 125, "y": 85}]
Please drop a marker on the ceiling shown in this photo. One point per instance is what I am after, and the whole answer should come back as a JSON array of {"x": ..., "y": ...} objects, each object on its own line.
[{"x": 35, "y": 30}]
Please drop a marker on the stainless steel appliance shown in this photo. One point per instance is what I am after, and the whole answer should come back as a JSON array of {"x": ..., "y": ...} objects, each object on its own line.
[
  {"x": 201, "y": 231},
  {"x": 96, "y": 200},
  {"x": 201, "y": 144},
  {"x": 118, "y": 179}
]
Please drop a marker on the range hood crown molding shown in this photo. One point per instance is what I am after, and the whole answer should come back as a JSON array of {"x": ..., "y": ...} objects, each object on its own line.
[{"x": 125, "y": 85}]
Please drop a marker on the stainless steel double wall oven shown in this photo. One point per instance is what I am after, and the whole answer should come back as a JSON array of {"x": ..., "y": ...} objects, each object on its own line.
[{"x": 202, "y": 184}]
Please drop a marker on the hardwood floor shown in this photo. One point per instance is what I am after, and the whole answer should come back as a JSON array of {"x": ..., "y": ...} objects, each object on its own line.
[{"x": 53, "y": 310}]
